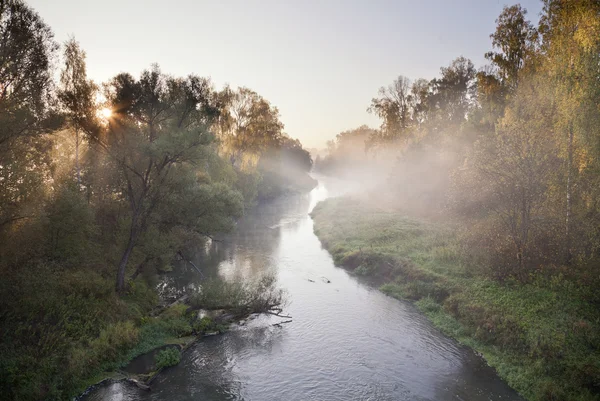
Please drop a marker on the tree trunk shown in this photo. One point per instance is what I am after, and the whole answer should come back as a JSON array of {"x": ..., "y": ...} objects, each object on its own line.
[
  {"x": 77, "y": 159},
  {"x": 524, "y": 230},
  {"x": 569, "y": 189},
  {"x": 123, "y": 263},
  {"x": 140, "y": 267}
]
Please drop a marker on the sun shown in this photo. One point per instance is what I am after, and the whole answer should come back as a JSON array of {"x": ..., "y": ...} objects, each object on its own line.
[{"x": 106, "y": 112}]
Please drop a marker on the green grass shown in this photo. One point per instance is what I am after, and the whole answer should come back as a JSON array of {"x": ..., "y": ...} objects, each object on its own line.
[
  {"x": 56, "y": 342},
  {"x": 542, "y": 338}
]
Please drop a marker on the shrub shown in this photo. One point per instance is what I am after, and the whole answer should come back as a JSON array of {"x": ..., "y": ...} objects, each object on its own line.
[
  {"x": 167, "y": 357},
  {"x": 239, "y": 298},
  {"x": 203, "y": 325}
]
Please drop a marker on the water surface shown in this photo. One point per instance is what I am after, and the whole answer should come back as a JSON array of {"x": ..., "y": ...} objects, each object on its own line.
[{"x": 347, "y": 341}]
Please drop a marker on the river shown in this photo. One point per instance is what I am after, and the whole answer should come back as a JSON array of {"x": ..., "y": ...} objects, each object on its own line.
[{"x": 347, "y": 341}]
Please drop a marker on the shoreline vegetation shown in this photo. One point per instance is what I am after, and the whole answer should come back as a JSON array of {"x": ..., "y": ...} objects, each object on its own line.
[
  {"x": 165, "y": 335},
  {"x": 103, "y": 186},
  {"x": 538, "y": 336}
]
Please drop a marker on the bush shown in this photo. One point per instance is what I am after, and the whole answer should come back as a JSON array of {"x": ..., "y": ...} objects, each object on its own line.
[
  {"x": 237, "y": 297},
  {"x": 167, "y": 357}
]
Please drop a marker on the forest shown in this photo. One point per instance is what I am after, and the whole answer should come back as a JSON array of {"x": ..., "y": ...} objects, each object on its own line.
[
  {"x": 486, "y": 212},
  {"x": 102, "y": 186}
]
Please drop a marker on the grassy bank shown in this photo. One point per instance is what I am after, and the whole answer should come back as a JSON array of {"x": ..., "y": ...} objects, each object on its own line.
[
  {"x": 542, "y": 337},
  {"x": 62, "y": 331}
]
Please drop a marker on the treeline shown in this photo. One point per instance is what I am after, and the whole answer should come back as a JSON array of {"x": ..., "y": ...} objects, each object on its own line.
[
  {"x": 510, "y": 149},
  {"x": 499, "y": 170},
  {"x": 101, "y": 187}
]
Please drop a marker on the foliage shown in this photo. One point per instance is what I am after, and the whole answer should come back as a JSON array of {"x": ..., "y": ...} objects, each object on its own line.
[
  {"x": 94, "y": 194},
  {"x": 252, "y": 139},
  {"x": 167, "y": 357},
  {"x": 240, "y": 298},
  {"x": 346, "y": 152}
]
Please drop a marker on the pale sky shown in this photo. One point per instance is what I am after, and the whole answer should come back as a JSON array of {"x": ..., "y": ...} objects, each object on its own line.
[{"x": 319, "y": 62}]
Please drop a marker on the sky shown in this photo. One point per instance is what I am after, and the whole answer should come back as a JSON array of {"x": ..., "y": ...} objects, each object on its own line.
[{"x": 320, "y": 62}]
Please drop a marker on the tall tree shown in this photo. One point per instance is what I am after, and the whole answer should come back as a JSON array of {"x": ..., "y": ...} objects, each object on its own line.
[
  {"x": 158, "y": 136},
  {"x": 513, "y": 170},
  {"x": 26, "y": 51},
  {"x": 393, "y": 107},
  {"x": 571, "y": 43},
  {"x": 77, "y": 95},
  {"x": 453, "y": 93},
  {"x": 516, "y": 41},
  {"x": 248, "y": 126}
]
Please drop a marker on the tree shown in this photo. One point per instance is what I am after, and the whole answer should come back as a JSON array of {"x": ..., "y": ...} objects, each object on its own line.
[
  {"x": 77, "y": 95},
  {"x": 248, "y": 126},
  {"x": 420, "y": 92},
  {"x": 515, "y": 168},
  {"x": 393, "y": 106},
  {"x": 516, "y": 39},
  {"x": 571, "y": 43},
  {"x": 349, "y": 150},
  {"x": 26, "y": 51},
  {"x": 452, "y": 94},
  {"x": 159, "y": 137},
  {"x": 295, "y": 155}
]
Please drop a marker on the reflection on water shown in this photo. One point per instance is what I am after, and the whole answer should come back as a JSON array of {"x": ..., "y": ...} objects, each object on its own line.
[{"x": 346, "y": 341}]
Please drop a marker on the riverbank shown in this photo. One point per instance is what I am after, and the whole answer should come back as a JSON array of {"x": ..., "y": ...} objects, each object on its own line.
[
  {"x": 183, "y": 325},
  {"x": 77, "y": 331},
  {"x": 541, "y": 337}
]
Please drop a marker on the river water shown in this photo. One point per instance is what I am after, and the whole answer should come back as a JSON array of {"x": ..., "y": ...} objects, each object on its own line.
[{"x": 347, "y": 341}]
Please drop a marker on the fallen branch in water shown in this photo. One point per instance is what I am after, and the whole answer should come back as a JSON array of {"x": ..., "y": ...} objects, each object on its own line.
[
  {"x": 138, "y": 384},
  {"x": 278, "y": 314},
  {"x": 280, "y": 323}
]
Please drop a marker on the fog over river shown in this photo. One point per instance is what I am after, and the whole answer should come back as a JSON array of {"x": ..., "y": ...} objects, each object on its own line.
[{"x": 347, "y": 340}]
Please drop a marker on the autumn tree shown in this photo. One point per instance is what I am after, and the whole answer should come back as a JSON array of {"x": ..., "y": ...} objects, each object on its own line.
[
  {"x": 248, "y": 126},
  {"x": 571, "y": 43},
  {"x": 515, "y": 39},
  {"x": 515, "y": 168}
]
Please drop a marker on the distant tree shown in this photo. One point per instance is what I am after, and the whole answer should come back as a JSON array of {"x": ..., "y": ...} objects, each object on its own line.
[
  {"x": 248, "y": 126},
  {"x": 350, "y": 149},
  {"x": 516, "y": 39},
  {"x": 420, "y": 92},
  {"x": 452, "y": 94},
  {"x": 294, "y": 154},
  {"x": 393, "y": 107}
]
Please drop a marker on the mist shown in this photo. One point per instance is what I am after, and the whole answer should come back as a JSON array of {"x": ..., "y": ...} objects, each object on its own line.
[
  {"x": 477, "y": 191},
  {"x": 164, "y": 235}
]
